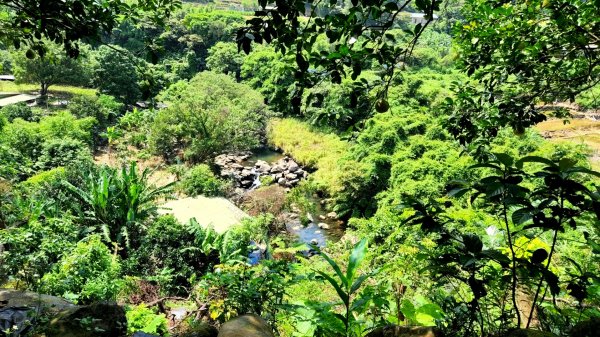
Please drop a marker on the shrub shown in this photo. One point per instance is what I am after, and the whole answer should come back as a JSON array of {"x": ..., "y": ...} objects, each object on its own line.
[
  {"x": 62, "y": 152},
  {"x": 45, "y": 178},
  {"x": 210, "y": 115},
  {"x": 239, "y": 289},
  {"x": 34, "y": 246},
  {"x": 142, "y": 318},
  {"x": 88, "y": 273},
  {"x": 200, "y": 180},
  {"x": 105, "y": 109},
  {"x": 65, "y": 125},
  {"x": 181, "y": 250},
  {"x": 19, "y": 110}
]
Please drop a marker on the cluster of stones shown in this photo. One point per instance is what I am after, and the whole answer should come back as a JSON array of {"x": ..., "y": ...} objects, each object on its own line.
[{"x": 285, "y": 172}]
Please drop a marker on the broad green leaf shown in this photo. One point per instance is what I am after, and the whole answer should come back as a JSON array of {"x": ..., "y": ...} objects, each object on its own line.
[
  {"x": 341, "y": 293},
  {"x": 356, "y": 256},
  {"x": 336, "y": 268}
]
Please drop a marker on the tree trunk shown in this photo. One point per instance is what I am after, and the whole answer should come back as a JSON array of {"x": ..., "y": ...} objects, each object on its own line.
[{"x": 44, "y": 92}]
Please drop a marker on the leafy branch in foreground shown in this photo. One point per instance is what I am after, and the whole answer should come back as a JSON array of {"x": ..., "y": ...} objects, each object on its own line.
[
  {"x": 531, "y": 208},
  {"x": 359, "y": 35},
  {"x": 69, "y": 21},
  {"x": 522, "y": 55}
]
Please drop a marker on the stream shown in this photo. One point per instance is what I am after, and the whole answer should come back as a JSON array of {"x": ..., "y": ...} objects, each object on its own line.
[{"x": 311, "y": 233}]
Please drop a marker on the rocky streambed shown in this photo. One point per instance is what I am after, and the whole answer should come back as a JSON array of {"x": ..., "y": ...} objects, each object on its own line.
[
  {"x": 246, "y": 171},
  {"x": 251, "y": 170}
]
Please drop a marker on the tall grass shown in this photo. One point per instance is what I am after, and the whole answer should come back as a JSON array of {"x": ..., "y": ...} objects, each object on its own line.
[{"x": 311, "y": 147}]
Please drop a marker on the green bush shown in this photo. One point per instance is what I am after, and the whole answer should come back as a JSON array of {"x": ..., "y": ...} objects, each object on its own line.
[
  {"x": 179, "y": 250},
  {"x": 210, "y": 115},
  {"x": 66, "y": 125},
  {"x": 238, "y": 289},
  {"x": 105, "y": 109},
  {"x": 86, "y": 274},
  {"x": 19, "y": 110},
  {"x": 142, "y": 318},
  {"x": 45, "y": 178},
  {"x": 34, "y": 246},
  {"x": 62, "y": 152},
  {"x": 200, "y": 180}
]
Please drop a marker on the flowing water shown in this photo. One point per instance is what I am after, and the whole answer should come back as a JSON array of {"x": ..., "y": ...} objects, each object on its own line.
[{"x": 311, "y": 232}]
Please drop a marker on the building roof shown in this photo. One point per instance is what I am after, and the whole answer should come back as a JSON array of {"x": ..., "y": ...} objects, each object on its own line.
[
  {"x": 18, "y": 98},
  {"x": 422, "y": 15}
]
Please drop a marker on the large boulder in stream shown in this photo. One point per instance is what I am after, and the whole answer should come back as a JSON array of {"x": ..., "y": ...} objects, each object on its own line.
[{"x": 246, "y": 326}]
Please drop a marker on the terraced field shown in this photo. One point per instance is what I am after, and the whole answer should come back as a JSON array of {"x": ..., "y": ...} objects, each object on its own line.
[{"x": 580, "y": 130}]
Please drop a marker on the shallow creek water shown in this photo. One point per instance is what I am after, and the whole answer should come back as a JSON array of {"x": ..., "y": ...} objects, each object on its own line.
[{"x": 305, "y": 234}]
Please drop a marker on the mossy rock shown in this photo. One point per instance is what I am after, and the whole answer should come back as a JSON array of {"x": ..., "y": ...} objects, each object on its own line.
[
  {"x": 587, "y": 328},
  {"x": 246, "y": 326},
  {"x": 101, "y": 319},
  {"x": 198, "y": 329}
]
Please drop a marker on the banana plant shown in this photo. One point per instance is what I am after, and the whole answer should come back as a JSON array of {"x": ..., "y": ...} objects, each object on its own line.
[{"x": 116, "y": 201}]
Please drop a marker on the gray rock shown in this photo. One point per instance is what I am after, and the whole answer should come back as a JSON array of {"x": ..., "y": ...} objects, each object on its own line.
[
  {"x": 323, "y": 225},
  {"x": 332, "y": 215},
  {"x": 276, "y": 169},
  {"x": 293, "y": 182},
  {"x": 262, "y": 166},
  {"x": 246, "y": 326},
  {"x": 281, "y": 181},
  {"x": 247, "y": 174},
  {"x": 293, "y": 166},
  {"x": 291, "y": 176}
]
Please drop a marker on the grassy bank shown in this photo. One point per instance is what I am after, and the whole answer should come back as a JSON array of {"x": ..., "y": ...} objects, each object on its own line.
[
  {"x": 57, "y": 90},
  {"x": 312, "y": 148}
]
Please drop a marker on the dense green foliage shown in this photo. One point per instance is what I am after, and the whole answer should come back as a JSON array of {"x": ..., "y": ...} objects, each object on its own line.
[
  {"x": 200, "y": 180},
  {"x": 204, "y": 117},
  {"x": 412, "y": 143},
  {"x": 87, "y": 274},
  {"x": 30, "y": 147}
]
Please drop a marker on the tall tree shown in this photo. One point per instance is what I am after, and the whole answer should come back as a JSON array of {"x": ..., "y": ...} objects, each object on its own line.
[
  {"x": 53, "y": 68},
  {"x": 115, "y": 74}
]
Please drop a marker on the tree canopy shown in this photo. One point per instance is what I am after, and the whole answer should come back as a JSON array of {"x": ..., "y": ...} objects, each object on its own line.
[
  {"x": 521, "y": 55},
  {"x": 25, "y": 22}
]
